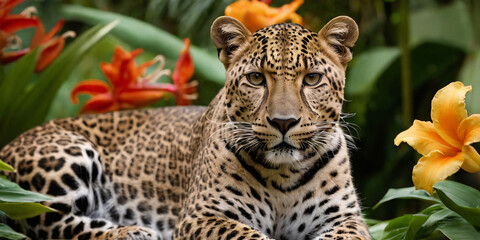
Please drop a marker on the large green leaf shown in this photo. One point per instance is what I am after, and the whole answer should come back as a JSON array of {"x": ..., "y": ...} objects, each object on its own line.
[
  {"x": 458, "y": 229},
  {"x": 147, "y": 36},
  {"x": 437, "y": 215},
  {"x": 17, "y": 211},
  {"x": 368, "y": 67},
  {"x": 377, "y": 230},
  {"x": 449, "y": 25},
  {"x": 470, "y": 75},
  {"x": 16, "y": 81},
  {"x": 7, "y": 233},
  {"x": 405, "y": 193},
  {"x": 11, "y": 192},
  {"x": 404, "y": 227},
  {"x": 5, "y": 167},
  {"x": 461, "y": 199},
  {"x": 31, "y": 108}
]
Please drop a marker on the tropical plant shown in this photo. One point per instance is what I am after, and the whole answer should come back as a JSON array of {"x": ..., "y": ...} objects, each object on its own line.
[
  {"x": 446, "y": 147},
  {"x": 25, "y": 97},
  {"x": 453, "y": 212}
]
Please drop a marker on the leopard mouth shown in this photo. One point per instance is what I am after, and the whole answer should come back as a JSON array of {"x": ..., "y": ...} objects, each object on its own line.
[{"x": 283, "y": 146}]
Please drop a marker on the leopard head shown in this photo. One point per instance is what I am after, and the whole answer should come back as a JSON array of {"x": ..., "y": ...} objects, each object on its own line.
[{"x": 284, "y": 84}]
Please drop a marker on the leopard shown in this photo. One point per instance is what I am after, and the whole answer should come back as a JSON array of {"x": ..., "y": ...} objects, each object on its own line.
[{"x": 268, "y": 158}]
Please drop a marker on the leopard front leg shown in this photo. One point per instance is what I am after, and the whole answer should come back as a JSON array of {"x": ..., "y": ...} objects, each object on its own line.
[
  {"x": 216, "y": 228},
  {"x": 351, "y": 228}
]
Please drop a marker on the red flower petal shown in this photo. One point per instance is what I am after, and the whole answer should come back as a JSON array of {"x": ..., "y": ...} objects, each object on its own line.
[
  {"x": 49, "y": 54},
  {"x": 38, "y": 37},
  {"x": 8, "y": 57},
  {"x": 184, "y": 68},
  {"x": 110, "y": 72},
  {"x": 7, "y": 6},
  {"x": 92, "y": 87},
  {"x": 13, "y": 23},
  {"x": 166, "y": 87},
  {"x": 143, "y": 67},
  {"x": 100, "y": 104},
  {"x": 139, "y": 98},
  {"x": 53, "y": 31}
]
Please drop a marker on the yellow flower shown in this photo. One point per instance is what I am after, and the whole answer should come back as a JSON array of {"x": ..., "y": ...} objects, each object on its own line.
[
  {"x": 255, "y": 14},
  {"x": 446, "y": 143}
]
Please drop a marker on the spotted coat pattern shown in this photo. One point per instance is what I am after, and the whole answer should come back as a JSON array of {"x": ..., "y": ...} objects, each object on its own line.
[{"x": 267, "y": 159}]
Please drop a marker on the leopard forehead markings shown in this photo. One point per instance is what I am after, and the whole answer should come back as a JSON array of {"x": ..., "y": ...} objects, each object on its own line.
[{"x": 209, "y": 173}]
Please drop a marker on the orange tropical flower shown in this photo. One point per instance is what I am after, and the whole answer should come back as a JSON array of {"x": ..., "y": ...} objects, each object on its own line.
[
  {"x": 130, "y": 88},
  {"x": 9, "y": 24},
  {"x": 186, "y": 91},
  {"x": 52, "y": 46},
  {"x": 446, "y": 143},
  {"x": 256, "y": 14}
]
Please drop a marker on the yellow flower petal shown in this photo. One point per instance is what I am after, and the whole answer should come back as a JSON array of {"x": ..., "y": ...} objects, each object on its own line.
[
  {"x": 423, "y": 137},
  {"x": 433, "y": 168},
  {"x": 472, "y": 159},
  {"x": 448, "y": 111},
  {"x": 469, "y": 130}
]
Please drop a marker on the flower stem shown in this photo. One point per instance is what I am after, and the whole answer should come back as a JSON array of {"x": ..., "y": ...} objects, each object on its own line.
[{"x": 405, "y": 63}]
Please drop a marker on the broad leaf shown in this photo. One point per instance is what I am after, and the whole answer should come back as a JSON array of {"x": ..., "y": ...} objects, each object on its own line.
[
  {"x": 5, "y": 167},
  {"x": 458, "y": 229},
  {"x": 449, "y": 25},
  {"x": 461, "y": 199},
  {"x": 17, "y": 211},
  {"x": 7, "y": 233},
  {"x": 438, "y": 214},
  {"x": 367, "y": 68},
  {"x": 11, "y": 192},
  {"x": 377, "y": 230},
  {"x": 470, "y": 75},
  {"x": 404, "y": 227},
  {"x": 405, "y": 193},
  {"x": 16, "y": 81},
  {"x": 31, "y": 108}
]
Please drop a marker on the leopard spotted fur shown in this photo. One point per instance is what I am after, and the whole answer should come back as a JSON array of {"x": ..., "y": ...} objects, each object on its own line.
[{"x": 267, "y": 159}]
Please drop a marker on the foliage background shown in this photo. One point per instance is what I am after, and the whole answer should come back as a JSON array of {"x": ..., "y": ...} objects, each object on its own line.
[{"x": 444, "y": 46}]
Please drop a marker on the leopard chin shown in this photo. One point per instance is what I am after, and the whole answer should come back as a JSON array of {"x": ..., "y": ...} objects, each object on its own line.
[{"x": 283, "y": 156}]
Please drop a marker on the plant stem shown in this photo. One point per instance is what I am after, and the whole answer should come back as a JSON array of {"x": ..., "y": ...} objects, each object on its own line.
[{"x": 405, "y": 62}]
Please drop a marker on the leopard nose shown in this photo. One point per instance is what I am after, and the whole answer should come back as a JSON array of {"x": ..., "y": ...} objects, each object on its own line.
[{"x": 283, "y": 124}]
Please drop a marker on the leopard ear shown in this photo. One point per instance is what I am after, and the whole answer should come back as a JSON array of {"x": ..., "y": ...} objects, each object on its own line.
[
  {"x": 340, "y": 34},
  {"x": 228, "y": 35}
]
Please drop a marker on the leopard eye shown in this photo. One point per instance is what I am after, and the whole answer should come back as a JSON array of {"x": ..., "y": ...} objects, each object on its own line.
[
  {"x": 256, "y": 78},
  {"x": 312, "y": 79}
]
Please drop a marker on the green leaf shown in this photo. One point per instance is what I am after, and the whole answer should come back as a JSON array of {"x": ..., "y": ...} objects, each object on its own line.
[
  {"x": 5, "y": 167},
  {"x": 404, "y": 227},
  {"x": 11, "y": 192},
  {"x": 438, "y": 214},
  {"x": 7, "y": 233},
  {"x": 17, "y": 211},
  {"x": 147, "y": 36},
  {"x": 461, "y": 199},
  {"x": 377, "y": 230},
  {"x": 31, "y": 108},
  {"x": 449, "y": 25},
  {"x": 470, "y": 75},
  {"x": 458, "y": 229},
  {"x": 16, "y": 81},
  {"x": 405, "y": 193},
  {"x": 367, "y": 68}
]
